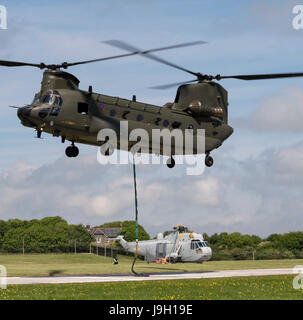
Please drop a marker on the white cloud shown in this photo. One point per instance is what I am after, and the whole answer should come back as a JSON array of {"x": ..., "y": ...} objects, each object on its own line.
[
  {"x": 260, "y": 195},
  {"x": 204, "y": 191},
  {"x": 283, "y": 111}
]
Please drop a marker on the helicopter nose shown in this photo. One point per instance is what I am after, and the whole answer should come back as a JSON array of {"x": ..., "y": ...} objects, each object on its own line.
[{"x": 23, "y": 113}]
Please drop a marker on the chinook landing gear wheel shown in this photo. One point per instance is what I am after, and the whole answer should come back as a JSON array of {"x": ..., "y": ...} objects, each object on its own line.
[
  {"x": 170, "y": 162},
  {"x": 72, "y": 151},
  {"x": 209, "y": 161}
]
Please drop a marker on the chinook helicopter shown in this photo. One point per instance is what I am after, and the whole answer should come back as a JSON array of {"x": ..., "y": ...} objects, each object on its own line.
[
  {"x": 179, "y": 245},
  {"x": 62, "y": 109}
]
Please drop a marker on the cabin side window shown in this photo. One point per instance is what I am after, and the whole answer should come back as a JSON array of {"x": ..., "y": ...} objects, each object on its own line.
[
  {"x": 82, "y": 108},
  {"x": 176, "y": 124},
  {"x": 113, "y": 113},
  {"x": 139, "y": 117},
  {"x": 165, "y": 123},
  {"x": 177, "y": 96}
]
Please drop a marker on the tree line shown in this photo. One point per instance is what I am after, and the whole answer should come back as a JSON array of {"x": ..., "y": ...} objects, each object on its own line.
[
  {"x": 48, "y": 235},
  {"x": 237, "y": 246},
  {"x": 55, "y": 235}
]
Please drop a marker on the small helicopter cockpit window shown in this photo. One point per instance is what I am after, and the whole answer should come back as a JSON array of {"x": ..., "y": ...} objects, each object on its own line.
[{"x": 195, "y": 244}]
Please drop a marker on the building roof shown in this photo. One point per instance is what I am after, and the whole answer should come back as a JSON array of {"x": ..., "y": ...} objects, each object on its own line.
[{"x": 107, "y": 232}]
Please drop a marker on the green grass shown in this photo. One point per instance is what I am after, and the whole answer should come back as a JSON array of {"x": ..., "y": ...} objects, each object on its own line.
[
  {"x": 269, "y": 287},
  {"x": 86, "y": 264}
]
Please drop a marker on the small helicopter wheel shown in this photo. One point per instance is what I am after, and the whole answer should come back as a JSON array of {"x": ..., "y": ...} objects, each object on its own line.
[
  {"x": 170, "y": 162},
  {"x": 209, "y": 161}
]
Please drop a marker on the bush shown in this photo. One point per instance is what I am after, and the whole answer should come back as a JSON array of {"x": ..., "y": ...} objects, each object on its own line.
[{"x": 274, "y": 253}]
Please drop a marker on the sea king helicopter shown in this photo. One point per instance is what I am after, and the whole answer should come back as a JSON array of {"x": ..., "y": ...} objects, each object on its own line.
[
  {"x": 179, "y": 245},
  {"x": 62, "y": 109}
]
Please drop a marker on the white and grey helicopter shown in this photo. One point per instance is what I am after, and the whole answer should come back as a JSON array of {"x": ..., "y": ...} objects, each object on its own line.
[{"x": 179, "y": 245}]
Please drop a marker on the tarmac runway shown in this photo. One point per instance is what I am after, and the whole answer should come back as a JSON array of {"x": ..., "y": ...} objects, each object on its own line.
[{"x": 163, "y": 276}]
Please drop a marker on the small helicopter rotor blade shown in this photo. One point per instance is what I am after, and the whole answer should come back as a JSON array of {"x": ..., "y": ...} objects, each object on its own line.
[
  {"x": 167, "y": 86},
  {"x": 146, "y": 53},
  {"x": 261, "y": 76},
  {"x": 17, "y": 64}
]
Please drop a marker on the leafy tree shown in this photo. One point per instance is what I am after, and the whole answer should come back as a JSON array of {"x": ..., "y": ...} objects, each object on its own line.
[
  {"x": 79, "y": 233},
  {"x": 3, "y": 230},
  {"x": 274, "y": 237},
  {"x": 51, "y": 234}
]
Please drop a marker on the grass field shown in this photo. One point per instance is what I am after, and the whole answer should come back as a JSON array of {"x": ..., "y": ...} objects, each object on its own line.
[
  {"x": 87, "y": 264},
  {"x": 269, "y": 287}
]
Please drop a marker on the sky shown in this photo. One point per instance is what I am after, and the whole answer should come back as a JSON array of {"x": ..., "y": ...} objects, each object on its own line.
[{"x": 255, "y": 185}]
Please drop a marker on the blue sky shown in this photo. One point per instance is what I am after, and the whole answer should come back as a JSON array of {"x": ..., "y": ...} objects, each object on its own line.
[{"x": 243, "y": 37}]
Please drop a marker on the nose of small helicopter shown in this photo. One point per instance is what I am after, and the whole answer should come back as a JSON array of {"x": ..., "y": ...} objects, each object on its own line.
[
  {"x": 207, "y": 253},
  {"x": 23, "y": 113}
]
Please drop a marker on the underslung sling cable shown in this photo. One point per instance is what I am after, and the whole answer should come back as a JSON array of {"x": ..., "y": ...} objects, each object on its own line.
[{"x": 137, "y": 233}]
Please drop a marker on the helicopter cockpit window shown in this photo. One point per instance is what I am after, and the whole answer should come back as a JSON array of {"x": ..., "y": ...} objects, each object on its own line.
[
  {"x": 43, "y": 113},
  {"x": 51, "y": 97},
  {"x": 55, "y": 111},
  {"x": 57, "y": 101},
  {"x": 194, "y": 245},
  {"x": 46, "y": 99},
  {"x": 36, "y": 99}
]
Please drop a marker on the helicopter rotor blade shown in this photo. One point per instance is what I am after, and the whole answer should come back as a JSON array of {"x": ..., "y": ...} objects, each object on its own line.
[
  {"x": 171, "y": 85},
  {"x": 125, "y": 46},
  {"x": 146, "y": 53},
  {"x": 133, "y": 51},
  {"x": 116, "y": 43},
  {"x": 262, "y": 76},
  {"x": 17, "y": 64},
  {"x": 96, "y": 60}
]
